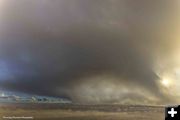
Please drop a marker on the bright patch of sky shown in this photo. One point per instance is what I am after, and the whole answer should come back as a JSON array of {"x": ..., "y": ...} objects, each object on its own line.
[{"x": 5, "y": 72}]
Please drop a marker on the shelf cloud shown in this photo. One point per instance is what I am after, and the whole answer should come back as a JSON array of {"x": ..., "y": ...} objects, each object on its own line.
[{"x": 104, "y": 51}]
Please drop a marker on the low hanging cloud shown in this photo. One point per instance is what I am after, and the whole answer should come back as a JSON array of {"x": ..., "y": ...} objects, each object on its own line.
[{"x": 88, "y": 51}]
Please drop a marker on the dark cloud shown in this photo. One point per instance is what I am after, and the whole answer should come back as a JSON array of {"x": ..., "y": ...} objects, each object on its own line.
[{"x": 56, "y": 47}]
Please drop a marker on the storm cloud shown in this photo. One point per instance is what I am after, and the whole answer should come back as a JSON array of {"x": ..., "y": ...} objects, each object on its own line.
[{"x": 101, "y": 51}]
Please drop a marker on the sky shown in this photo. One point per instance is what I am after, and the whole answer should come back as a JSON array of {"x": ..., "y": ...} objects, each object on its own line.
[{"x": 92, "y": 51}]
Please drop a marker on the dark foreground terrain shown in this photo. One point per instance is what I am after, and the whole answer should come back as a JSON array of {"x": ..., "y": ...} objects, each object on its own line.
[{"x": 45, "y": 111}]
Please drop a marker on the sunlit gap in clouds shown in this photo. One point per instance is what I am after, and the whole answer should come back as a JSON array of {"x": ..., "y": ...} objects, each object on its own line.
[{"x": 169, "y": 73}]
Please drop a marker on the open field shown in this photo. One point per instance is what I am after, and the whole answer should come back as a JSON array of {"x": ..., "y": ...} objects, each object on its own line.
[{"x": 47, "y": 111}]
